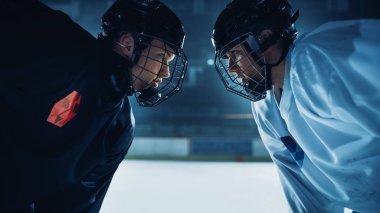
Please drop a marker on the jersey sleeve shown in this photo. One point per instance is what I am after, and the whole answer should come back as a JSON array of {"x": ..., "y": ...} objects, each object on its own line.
[
  {"x": 337, "y": 74},
  {"x": 335, "y": 85}
]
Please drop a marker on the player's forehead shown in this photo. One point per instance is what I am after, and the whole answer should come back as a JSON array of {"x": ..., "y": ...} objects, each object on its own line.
[
  {"x": 238, "y": 46},
  {"x": 234, "y": 49},
  {"x": 160, "y": 45}
]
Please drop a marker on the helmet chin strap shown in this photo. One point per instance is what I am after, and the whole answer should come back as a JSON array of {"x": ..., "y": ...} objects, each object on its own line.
[
  {"x": 283, "y": 56},
  {"x": 252, "y": 87},
  {"x": 269, "y": 67},
  {"x": 272, "y": 40},
  {"x": 268, "y": 76},
  {"x": 134, "y": 60}
]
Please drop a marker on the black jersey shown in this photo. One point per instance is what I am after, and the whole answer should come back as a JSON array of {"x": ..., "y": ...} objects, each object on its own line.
[{"x": 66, "y": 122}]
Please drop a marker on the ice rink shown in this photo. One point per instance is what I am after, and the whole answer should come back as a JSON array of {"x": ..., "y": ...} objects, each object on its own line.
[{"x": 194, "y": 187}]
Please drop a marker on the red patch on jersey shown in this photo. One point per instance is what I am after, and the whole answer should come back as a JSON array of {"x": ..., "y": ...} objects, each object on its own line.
[{"x": 65, "y": 109}]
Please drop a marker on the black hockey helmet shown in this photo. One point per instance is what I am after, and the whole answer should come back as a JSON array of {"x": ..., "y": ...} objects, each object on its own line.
[
  {"x": 251, "y": 16},
  {"x": 147, "y": 20}
]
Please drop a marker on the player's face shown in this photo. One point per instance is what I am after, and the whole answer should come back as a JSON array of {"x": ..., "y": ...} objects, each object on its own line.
[
  {"x": 153, "y": 65},
  {"x": 241, "y": 63}
]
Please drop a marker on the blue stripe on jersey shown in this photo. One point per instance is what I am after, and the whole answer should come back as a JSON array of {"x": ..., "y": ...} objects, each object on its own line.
[{"x": 295, "y": 150}]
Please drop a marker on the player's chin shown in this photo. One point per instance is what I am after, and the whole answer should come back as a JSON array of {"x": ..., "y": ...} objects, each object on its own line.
[
  {"x": 154, "y": 85},
  {"x": 254, "y": 88}
]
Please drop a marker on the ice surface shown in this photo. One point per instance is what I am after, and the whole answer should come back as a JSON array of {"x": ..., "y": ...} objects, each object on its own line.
[{"x": 194, "y": 187}]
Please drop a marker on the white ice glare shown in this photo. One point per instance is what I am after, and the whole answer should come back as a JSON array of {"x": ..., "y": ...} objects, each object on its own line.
[{"x": 194, "y": 187}]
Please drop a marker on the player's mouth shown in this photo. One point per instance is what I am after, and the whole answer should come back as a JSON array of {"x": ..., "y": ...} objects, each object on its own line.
[{"x": 156, "y": 83}]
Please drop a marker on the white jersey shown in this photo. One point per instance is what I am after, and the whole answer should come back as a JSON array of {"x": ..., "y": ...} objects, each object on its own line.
[{"x": 324, "y": 135}]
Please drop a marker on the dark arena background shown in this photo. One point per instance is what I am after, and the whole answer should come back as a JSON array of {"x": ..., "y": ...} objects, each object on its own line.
[
  {"x": 203, "y": 122},
  {"x": 203, "y": 113}
]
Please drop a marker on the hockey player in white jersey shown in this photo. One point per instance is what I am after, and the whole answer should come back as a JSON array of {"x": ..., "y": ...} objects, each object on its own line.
[{"x": 315, "y": 99}]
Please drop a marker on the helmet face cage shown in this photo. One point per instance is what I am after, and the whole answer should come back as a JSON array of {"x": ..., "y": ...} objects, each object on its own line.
[
  {"x": 151, "y": 94},
  {"x": 242, "y": 68}
]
